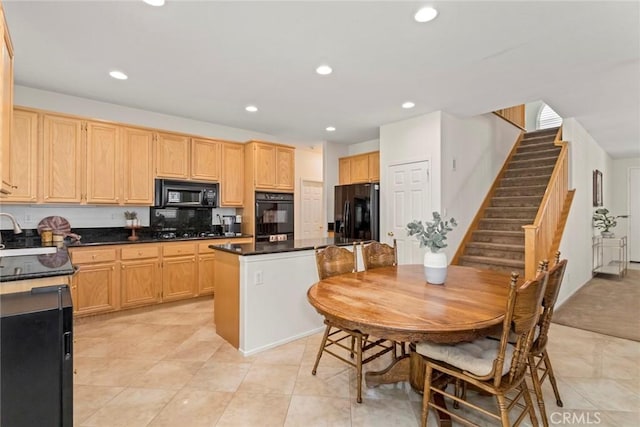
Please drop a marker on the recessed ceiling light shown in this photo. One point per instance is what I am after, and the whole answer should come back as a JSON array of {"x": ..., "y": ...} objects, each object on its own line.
[
  {"x": 118, "y": 75},
  {"x": 323, "y": 70},
  {"x": 330, "y": 129},
  {"x": 154, "y": 2},
  {"x": 425, "y": 14},
  {"x": 251, "y": 108},
  {"x": 408, "y": 105}
]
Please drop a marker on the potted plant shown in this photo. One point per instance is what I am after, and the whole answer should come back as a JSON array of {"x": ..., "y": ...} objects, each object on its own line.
[
  {"x": 604, "y": 222},
  {"x": 131, "y": 218},
  {"x": 433, "y": 235}
]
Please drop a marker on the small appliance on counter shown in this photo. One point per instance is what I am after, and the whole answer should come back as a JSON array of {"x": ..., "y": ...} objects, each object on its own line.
[{"x": 232, "y": 225}]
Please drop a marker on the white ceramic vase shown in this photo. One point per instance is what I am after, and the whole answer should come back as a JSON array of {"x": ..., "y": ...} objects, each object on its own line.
[{"x": 435, "y": 267}]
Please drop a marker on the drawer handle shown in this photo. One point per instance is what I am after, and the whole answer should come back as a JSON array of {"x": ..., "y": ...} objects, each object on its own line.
[{"x": 139, "y": 253}]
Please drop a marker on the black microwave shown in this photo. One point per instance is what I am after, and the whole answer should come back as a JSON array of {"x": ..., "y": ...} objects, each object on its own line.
[{"x": 185, "y": 194}]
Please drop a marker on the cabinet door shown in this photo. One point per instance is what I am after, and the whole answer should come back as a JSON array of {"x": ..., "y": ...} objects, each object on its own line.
[
  {"x": 139, "y": 282},
  {"x": 172, "y": 156},
  {"x": 265, "y": 165},
  {"x": 205, "y": 159},
  {"x": 344, "y": 171},
  {"x": 285, "y": 168},
  {"x": 360, "y": 168},
  {"x": 137, "y": 148},
  {"x": 24, "y": 152},
  {"x": 103, "y": 164},
  {"x": 95, "y": 289},
  {"x": 206, "y": 270},
  {"x": 178, "y": 278},
  {"x": 374, "y": 166},
  {"x": 62, "y": 159},
  {"x": 6, "y": 105},
  {"x": 232, "y": 179}
]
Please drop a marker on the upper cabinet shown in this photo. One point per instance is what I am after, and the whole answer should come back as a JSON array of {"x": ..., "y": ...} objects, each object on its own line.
[
  {"x": 359, "y": 168},
  {"x": 62, "y": 159},
  {"x": 232, "y": 176},
  {"x": 24, "y": 152},
  {"x": 271, "y": 166},
  {"x": 172, "y": 156},
  {"x": 206, "y": 159},
  {"x": 137, "y": 159},
  {"x": 103, "y": 165},
  {"x": 6, "y": 105}
]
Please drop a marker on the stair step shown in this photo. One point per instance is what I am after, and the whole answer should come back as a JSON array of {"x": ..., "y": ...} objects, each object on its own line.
[
  {"x": 495, "y": 250},
  {"x": 488, "y": 263},
  {"x": 516, "y": 201},
  {"x": 522, "y": 190},
  {"x": 533, "y": 171},
  {"x": 499, "y": 236},
  {"x": 527, "y": 213},
  {"x": 544, "y": 152},
  {"x": 536, "y": 139},
  {"x": 532, "y": 163},
  {"x": 533, "y": 148},
  {"x": 546, "y": 131},
  {"x": 525, "y": 181},
  {"x": 503, "y": 224}
]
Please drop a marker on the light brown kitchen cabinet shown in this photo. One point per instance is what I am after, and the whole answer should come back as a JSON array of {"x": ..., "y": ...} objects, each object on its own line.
[
  {"x": 62, "y": 159},
  {"x": 24, "y": 152},
  {"x": 359, "y": 168},
  {"x": 137, "y": 160},
  {"x": 179, "y": 271},
  {"x": 172, "y": 156},
  {"x": 285, "y": 167},
  {"x": 264, "y": 164},
  {"x": 6, "y": 106},
  {"x": 140, "y": 278},
  {"x": 271, "y": 165},
  {"x": 103, "y": 165},
  {"x": 94, "y": 286},
  {"x": 206, "y": 160},
  {"x": 232, "y": 177},
  {"x": 206, "y": 268}
]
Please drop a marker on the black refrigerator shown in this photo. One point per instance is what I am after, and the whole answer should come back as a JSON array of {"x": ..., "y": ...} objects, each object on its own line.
[
  {"x": 357, "y": 211},
  {"x": 37, "y": 358}
]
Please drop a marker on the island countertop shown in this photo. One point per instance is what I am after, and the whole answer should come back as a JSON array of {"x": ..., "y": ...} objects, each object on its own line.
[
  {"x": 35, "y": 266},
  {"x": 265, "y": 248}
]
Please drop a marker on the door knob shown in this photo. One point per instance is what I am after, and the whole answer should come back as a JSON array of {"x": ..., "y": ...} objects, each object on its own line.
[{"x": 390, "y": 234}]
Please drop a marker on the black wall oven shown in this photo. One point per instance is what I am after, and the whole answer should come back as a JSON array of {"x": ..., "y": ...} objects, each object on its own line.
[{"x": 274, "y": 217}]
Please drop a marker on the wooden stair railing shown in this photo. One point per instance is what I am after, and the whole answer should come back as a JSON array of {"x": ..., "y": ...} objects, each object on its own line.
[{"x": 548, "y": 226}]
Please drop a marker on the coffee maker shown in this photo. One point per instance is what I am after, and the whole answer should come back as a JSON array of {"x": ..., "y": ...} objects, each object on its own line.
[{"x": 231, "y": 225}]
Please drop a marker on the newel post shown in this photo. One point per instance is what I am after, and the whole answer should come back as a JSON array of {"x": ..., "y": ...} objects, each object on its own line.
[{"x": 530, "y": 251}]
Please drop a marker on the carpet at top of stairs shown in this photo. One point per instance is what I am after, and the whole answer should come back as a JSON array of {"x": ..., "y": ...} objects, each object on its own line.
[{"x": 605, "y": 305}]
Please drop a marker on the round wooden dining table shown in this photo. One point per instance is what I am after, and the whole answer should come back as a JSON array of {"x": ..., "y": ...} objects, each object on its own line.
[{"x": 397, "y": 303}]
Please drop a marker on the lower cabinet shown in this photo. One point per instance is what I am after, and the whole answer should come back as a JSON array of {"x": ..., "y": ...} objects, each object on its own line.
[
  {"x": 140, "y": 276},
  {"x": 94, "y": 287},
  {"x": 179, "y": 271},
  {"x": 206, "y": 269}
]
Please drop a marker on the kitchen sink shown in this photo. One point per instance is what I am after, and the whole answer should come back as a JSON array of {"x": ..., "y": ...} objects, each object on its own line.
[{"x": 27, "y": 251}]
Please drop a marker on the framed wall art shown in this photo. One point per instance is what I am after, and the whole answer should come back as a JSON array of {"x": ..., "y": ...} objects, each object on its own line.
[{"x": 597, "y": 188}]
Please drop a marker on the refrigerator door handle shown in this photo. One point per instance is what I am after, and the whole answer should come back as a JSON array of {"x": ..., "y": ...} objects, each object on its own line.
[
  {"x": 347, "y": 219},
  {"x": 67, "y": 345}
]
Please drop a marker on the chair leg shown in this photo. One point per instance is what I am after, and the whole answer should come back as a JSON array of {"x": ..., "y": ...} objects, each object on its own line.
[
  {"x": 321, "y": 349},
  {"x": 504, "y": 412},
  {"x": 426, "y": 396},
  {"x": 353, "y": 343},
  {"x": 527, "y": 398},
  {"x": 359, "y": 367},
  {"x": 535, "y": 379},
  {"x": 552, "y": 378}
]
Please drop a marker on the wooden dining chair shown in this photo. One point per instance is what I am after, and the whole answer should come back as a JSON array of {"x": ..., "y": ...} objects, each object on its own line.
[
  {"x": 539, "y": 362},
  {"x": 495, "y": 367},
  {"x": 332, "y": 261},
  {"x": 376, "y": 255}
]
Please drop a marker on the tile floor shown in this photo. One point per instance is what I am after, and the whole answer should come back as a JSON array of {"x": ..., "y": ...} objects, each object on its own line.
[{"x": 165, "y": 366}]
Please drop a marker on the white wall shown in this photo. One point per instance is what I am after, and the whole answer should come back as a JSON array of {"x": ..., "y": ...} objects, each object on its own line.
[
  {"x": 364, "y": 147},
  {"x": 308, "y": 167},
  {"x": 479, "y": 146},
  {"x": 332, "y": 152},
  {"x": 585, "y": 156}
]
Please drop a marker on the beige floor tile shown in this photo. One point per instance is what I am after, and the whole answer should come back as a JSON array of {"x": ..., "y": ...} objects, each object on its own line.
[
  {"x": 227, "y": 353},
  {"x": 87, "y": 399},
  {"x": 108, "y": 371},
  {"x": 167, "y": 374},
  {"x": 619, "y": 418},
  {"x": 287, "y": 354},
  {"x": 570, "y": 397},
  {"x": 193, "y": 408},
  {"x": 246, "y": 409},
  {"x": 329, "y": 382},
  {"x": 383, "y": 413},
  {"x": 311, "y": 411},
  {"x": 606, "y": 394},
  {"x": 206, "y": 333},
  {"x": 220, "y": 376},
  {"x": 133, "y": 407},
  {"x": 269, "y": 379},
  {"x": 195, "y": 350}
]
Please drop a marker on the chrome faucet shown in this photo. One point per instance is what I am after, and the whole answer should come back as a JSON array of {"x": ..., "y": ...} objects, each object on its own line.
[{"x": 16, "y": 227}]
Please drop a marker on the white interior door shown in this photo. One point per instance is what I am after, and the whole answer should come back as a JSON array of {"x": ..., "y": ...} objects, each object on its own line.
[
  {"x": 311, "y": 210},
  {"x": 633, "y": 239},
  {"x": 408, "y": 198}
]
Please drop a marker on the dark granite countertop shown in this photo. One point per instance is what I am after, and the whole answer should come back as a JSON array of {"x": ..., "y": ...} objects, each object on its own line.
[
  {"x": 35, "y": 266},
  {"x": 264, "y": 248}
]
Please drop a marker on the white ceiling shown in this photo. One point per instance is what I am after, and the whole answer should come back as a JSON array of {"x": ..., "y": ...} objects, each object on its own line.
[{"x": 207, "y": 60}]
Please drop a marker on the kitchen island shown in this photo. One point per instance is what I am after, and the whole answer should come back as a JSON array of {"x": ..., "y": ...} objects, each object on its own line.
[
  {"x": 24, "y": 272},
  {"x": 261, "y": 292}
]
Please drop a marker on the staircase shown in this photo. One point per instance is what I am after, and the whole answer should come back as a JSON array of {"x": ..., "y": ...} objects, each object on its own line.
[{"x": 497, "y": 242}]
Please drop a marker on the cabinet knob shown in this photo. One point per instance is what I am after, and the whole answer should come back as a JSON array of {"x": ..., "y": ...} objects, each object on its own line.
[
  {"x": 139, "y": 253},
  {"x": 123, "y": 266},
  {"x": 93, "y": 256}
]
